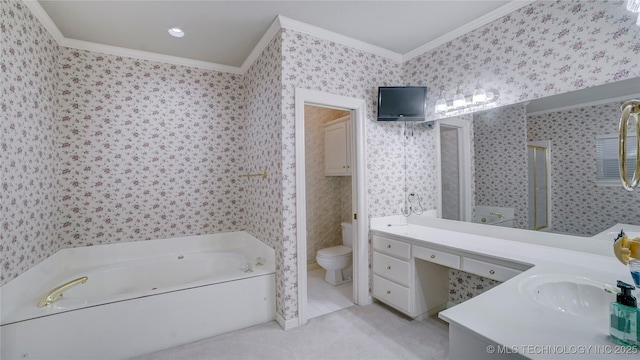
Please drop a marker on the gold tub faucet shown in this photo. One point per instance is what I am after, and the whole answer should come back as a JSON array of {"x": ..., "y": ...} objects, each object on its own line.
[
  {"x": 498, "y": 215},
  {"x": 53, "y": 295}
]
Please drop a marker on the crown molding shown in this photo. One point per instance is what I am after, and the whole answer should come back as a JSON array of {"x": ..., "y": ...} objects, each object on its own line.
[
  {"x": 261, "y": 45},
  {"x": 584, "y": 104},
  {"x": 470, "y": 26},
  {"x": 38, "y": 11},
  {"x": 312, "y": 30},
  {"x": 278, "y": 23},
  {"x": 145, "y": 55},
  {"x": 42, "y": 16}
]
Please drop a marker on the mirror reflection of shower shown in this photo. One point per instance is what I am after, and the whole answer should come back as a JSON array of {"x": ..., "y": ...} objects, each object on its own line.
[{"x": 539, "y": 158}]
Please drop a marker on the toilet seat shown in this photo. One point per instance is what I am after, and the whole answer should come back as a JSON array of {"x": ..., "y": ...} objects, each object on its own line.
[{"x": 334, "y": 251}]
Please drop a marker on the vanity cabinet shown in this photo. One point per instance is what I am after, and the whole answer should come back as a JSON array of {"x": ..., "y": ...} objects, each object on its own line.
[
  {"x": 436, "y": 256},
  {"x": 392, "y": 273},
  {"x": 408, "y": 284},
  {"x": 412, "y": 275},
  {"x": 490, "y": 270},
  {"x": 337, "y": 147}
]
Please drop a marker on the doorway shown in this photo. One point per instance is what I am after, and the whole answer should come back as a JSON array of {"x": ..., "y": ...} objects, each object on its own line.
[
  {"x": 454, "y": 157},
  {"x": 329, "y": 206},
  {"x": 359, "y": 216}
]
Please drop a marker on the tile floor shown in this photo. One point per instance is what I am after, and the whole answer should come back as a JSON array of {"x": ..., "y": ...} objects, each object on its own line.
[{"x": 324, "y": 298}]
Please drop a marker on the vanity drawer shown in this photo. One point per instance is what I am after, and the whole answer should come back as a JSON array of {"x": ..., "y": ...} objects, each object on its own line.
[
  {"x": 391, "y": 293},
  {"x": 391, "y": 268},
  {"x": 392, "y": 247},
  {"x": 436, "y": 256},
  {"x": 488, "y": 270}
]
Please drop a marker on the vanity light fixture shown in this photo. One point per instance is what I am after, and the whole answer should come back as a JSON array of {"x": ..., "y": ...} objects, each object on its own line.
[
  {"x": 634, "y": 6},
  {"x": 176, "y": 32},
  {"x": 480, "y": 97},
  {"x": 441, "y": 104},
  {"x": 459, "y": 100}
]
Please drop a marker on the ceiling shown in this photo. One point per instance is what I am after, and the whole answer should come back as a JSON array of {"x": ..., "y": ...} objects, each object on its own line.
[{"x": 226, "y": 32}]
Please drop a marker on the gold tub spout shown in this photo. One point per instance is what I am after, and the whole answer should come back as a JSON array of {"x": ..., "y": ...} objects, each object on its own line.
[{"x": 53, "y": 295}]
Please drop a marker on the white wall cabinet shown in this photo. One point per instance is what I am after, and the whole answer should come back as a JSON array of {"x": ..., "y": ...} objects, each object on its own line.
[{"x": 337, "y": 147}]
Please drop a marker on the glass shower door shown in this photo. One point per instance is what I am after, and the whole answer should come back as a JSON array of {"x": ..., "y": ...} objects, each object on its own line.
[{"x": 539, "y": 192}]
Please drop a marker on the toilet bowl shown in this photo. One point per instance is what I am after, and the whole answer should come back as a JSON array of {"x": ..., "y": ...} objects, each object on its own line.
[{"x": 337, "y": 260}]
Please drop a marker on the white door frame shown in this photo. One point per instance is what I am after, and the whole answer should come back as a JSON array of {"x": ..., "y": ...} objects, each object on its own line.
[
  {"x": 464, "y": 162},
  {"x": 360, "y": 227}
]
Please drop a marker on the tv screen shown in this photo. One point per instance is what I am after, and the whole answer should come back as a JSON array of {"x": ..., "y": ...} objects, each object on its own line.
[{"x": 402, "y": 103}]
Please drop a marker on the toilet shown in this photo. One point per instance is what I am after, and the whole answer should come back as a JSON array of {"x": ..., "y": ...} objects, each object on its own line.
[{"x": 337, "y": 260}]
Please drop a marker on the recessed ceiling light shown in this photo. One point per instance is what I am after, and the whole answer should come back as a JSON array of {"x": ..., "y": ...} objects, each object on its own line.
[{"x": 176, "y": 32}]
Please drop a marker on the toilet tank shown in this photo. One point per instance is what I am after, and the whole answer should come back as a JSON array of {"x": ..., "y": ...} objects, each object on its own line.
[{"x": 347, "y": 234}]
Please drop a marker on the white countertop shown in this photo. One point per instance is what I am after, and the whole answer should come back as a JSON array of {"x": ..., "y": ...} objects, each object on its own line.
[{"x": 504, "y": 315}]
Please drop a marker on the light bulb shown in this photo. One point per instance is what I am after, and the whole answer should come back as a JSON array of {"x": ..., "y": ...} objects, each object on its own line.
[
  {"x": 633, "y": 5},
  {"x": 459, "y": 100},
  {"x": 441, "y": 105},
  {"x": 479, "y": 95}
]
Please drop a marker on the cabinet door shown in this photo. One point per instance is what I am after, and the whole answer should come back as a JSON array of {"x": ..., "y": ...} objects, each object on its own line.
[{"x": 337, "y": 147}]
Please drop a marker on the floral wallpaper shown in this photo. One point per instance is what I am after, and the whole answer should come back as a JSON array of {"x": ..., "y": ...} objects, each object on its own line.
[
  {"x": 464, "y": 286},
  {"x": 500, "y": 142},
  {"x": 263, "y": 111},
  {"x": 138, "y": 149},
  {"x": 578, "y": 205},
  {"x": 325, "y": 201},
  {"x": 316, "y": 64},
  {"x": 28, "y": 200},
  {"x": 148, "y": 150},
  {"x": 542, "y": 49}
]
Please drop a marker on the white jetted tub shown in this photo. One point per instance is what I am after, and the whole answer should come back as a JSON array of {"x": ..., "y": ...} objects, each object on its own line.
[{"x": 138, "y": 297}]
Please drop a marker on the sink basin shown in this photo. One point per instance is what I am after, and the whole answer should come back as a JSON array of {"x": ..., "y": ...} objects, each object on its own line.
[{"x": 569, "y": 294}]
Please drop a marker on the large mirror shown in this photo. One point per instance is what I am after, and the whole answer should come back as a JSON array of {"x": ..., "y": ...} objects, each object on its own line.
[{"x": 546, "y": 165}]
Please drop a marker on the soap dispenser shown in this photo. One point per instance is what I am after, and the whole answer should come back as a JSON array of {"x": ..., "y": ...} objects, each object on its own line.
[{"x": 625, "y": 317}]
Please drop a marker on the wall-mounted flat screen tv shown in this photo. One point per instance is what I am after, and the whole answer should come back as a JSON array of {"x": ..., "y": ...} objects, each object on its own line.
[{"x": 402, "y": 103}]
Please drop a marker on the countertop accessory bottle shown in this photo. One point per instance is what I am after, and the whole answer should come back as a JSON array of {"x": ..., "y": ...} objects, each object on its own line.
[{"x": 625, "y": 317}]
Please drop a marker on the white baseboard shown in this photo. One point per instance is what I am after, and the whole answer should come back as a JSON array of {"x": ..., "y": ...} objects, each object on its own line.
[
  {"x": 286, "y": 324},
  {"x": 366, "y": 301}
]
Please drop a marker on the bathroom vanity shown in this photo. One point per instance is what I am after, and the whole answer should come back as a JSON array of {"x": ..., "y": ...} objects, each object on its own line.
[
  {"x": 548, "y": 306},
  {"x": 411, "y": 275}
]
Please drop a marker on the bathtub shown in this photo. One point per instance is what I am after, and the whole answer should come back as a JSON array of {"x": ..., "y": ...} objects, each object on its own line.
[
  {"x": 139, "y": 297},
  {"x": 487, "y": 215}
]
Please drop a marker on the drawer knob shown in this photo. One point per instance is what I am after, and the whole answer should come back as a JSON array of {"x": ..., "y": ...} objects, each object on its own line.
[
  {"x": 491, "y": 272},
  {"x": 388, "y": 292},
  {"x": 389, "y": 246},
  {"x": 389, "y": 267},
  {"x": 433, "y": 256}
]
